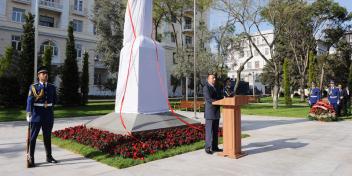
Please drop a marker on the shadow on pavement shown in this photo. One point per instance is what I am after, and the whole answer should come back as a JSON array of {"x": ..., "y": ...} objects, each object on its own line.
[
  {"x": 68, "y": 161},
  {"x": 261, "y": 147},
  {"x": 248, "y": 125}
]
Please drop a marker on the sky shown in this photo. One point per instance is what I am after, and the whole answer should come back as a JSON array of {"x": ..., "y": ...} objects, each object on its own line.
[{"x": 217, "y": 18}]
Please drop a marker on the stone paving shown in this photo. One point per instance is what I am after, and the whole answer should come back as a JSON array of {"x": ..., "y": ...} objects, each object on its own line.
[{"x": 277, "y": 146}]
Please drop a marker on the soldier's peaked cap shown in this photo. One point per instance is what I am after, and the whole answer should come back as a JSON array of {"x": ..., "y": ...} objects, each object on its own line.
[{"x": 42, "y": 69}]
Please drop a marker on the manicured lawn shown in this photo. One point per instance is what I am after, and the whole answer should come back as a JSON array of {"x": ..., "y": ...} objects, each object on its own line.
[
  {"x": 282, "y": 111},
  {"x": 120, "y": 162},
  {"x": 92, "y": 109},
  {"x": 295, "y": 100}
]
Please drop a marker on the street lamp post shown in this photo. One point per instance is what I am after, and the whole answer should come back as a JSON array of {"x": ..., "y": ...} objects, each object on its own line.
[
  {"x": 194, "y": 61},
  {"x": 36, "y": 33},
  {"x": 253, "y": 83}
]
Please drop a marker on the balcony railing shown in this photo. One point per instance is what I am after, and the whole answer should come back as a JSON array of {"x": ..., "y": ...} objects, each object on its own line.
[
  {"x": 56, "y": 6},
  {"x": 23, "y": 1},
  {"x": 76, "y": 11}
]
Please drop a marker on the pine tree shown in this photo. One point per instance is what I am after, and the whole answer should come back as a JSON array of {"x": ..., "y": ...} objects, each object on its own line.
[
  {"x": 46, "y": 61},
  {"x": 288, "y": 100},
  {"x": 85, "y": 79},
  {"x": 70, "y": 79},
  {"x": 311, "y": 68},
  {"x": 26, "y": 63},
  {"x": 350, "y": 79}
]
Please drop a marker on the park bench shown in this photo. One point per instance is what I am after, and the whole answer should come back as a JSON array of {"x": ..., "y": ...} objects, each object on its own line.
[{"x": 189, "y": 105}]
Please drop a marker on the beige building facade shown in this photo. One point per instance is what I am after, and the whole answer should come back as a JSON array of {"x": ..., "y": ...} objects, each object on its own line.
[{"x": 54, "y": 17}]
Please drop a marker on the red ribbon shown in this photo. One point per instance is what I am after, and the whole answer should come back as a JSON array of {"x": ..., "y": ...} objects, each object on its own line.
[{"x": 160, "y": 80}]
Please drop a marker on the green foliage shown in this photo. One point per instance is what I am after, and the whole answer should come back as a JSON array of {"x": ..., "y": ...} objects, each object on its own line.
[
  {"x": 288, "y": 100},
  {"x": 350, "y": 78},
  {"x": 70, "y": 79},
  {"x": 9, "y": 89},
  {"x": 110, "y": 84},
  {"x": 26, "y": 63},
  {"x": 5, "y": 61},
  {"x": 9, "y": 96},
  {"x": 311, "y": 68},
  {"x": 46, "y": 61},
  {"x": 85, "y": 79},
  {"x": 108, "y": 17}
]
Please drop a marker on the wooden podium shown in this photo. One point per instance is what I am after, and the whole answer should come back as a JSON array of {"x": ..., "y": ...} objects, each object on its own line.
[{"x": 232, "y": 125}]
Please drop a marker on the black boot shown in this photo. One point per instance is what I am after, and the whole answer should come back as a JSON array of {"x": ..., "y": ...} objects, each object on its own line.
[
  {"x": 50, "y": 159},
  {"x": 30, "y": 162},
  {"x": 208, "y": 151}
]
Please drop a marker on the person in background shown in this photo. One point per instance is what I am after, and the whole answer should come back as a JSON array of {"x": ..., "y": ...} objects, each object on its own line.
[
  {"x": 314, "y": 95},
  {"x": 334, "y": 96},
  {"x": 228, "y": 89}
]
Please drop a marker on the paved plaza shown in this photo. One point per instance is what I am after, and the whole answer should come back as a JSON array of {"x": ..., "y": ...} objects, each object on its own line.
[{"x": 277, "y": 146}]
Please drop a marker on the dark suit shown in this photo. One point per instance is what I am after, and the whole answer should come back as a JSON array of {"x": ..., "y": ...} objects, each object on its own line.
[
  {"x": 41, "y": 108},
  {"x": 211, "y": 115}
]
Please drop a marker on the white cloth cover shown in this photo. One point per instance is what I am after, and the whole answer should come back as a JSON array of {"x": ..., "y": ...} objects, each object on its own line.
[{"x": 144, "y": 93}]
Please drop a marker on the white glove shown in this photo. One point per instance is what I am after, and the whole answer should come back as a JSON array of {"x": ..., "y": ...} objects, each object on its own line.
[{"x": 29, "y": 116}]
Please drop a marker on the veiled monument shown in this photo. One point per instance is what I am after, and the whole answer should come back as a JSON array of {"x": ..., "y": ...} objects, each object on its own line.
[{"x": 141, "y": 93}]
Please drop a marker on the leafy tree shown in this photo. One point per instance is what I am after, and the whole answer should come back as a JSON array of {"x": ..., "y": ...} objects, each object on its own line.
[
  {"x": 288, "y": 100},
  {"x": 70, "y": 80},
  {"x": 85, "y": 79},
  {"x": 108, "y": 17}
]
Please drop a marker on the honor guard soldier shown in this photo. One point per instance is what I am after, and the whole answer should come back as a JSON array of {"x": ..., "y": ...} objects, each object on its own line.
[
  {"x": 334, "y": 96},
  {"x": 314, "y": 95},
  {"x": 40, "y": 103}
]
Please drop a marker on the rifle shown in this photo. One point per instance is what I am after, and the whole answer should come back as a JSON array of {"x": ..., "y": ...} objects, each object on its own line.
[{"x": 28, "y": 144}]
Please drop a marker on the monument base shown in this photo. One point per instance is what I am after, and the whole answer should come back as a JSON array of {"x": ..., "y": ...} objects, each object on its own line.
[{"x": 137, "y": 122}]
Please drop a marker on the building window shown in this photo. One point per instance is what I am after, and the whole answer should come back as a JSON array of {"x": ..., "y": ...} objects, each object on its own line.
[
  {"x": 173, "y": 40},
  {"x": 255, "y": 53},
  {"x": 78, "y": 5},
  {"x": 78, "y": 50},
  {"x": 77, "y": 25},
  {"x": 188, "y": 23},
  {"x": 46, "y": 21},
  {"x": 50, "y": 44},
  {"x": 174, "y": 58},
  {"x": 188, "y": 40},
  {"x": 256, "y": 64},
  {"x": 18, "y": 15},
  {"x": 249, "y": 65},
  {"x": 266, "y": 51},
  {"x": 94, "y": 29},
  {"x": 241, "y": 54},
  {"x": 16, "y": 42},
  {"x": 248, "y": 53},
  {"x": 173, "y": 19},
  {"x": 97, "y": 78}
]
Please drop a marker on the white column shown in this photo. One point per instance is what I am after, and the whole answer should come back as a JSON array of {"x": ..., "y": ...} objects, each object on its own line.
[
  {"x": 89, "y": 6},
  {"x": 65, "y": 15},
  {"x": 3, "y": 8}
]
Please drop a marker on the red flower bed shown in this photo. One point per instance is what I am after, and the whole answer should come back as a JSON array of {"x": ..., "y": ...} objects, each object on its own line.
[
  {"x": 137, "y": 146},
  {"x": 323, "y": 111}
]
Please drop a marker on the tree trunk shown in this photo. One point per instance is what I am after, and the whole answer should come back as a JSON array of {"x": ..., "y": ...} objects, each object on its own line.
[
  {"x": 238, "y": 78},
  {"x": 186, "y": 88},
  {"x": 301, "y": 85},
  {"x": 276, "y": 90}
]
